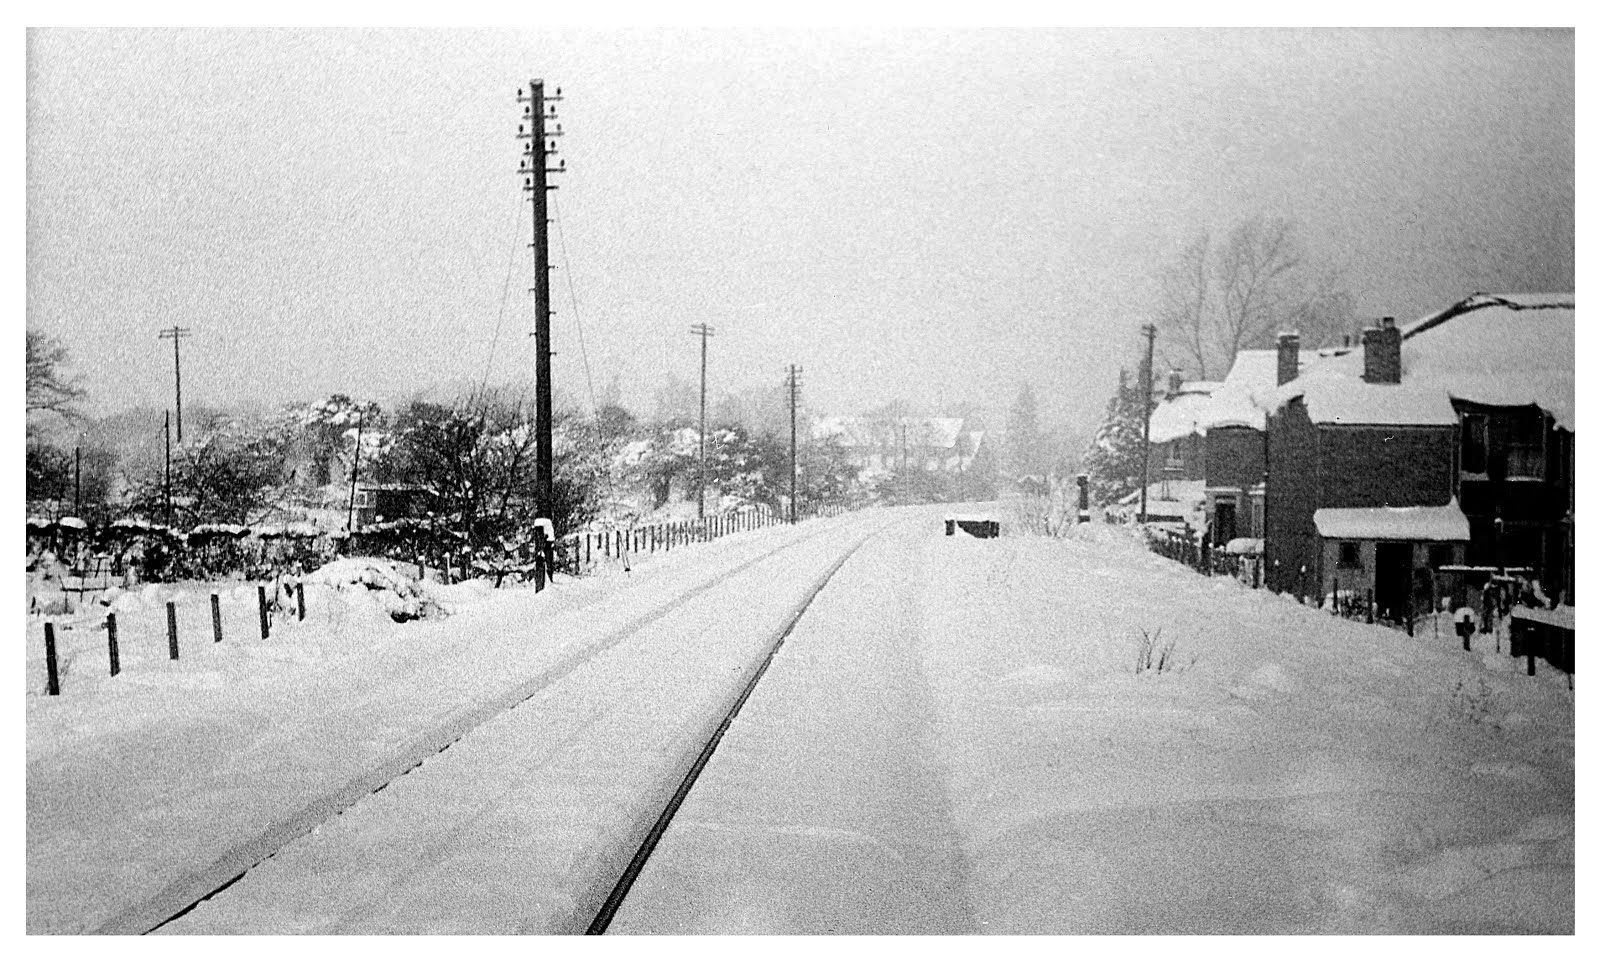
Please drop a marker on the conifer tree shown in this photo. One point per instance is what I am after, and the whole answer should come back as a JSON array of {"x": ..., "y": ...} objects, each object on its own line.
[{"x": 1114, "y": 460}]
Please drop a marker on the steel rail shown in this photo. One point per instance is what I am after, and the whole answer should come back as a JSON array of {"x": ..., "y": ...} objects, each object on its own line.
[
  {"x": 641, "y": 856},
  {"x": 180, "y": 896}
]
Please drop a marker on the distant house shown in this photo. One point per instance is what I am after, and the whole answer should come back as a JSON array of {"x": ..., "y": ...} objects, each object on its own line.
[
  {"x": 1384, "y": 468},
  {"x": 1178, "y": 431},
  {"x": 885, "y": 445},
  {"x": 377, "y": 502}
]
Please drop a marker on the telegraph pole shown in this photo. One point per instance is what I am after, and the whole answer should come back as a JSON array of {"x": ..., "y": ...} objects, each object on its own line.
[
  {"x": 794, "y": 446},
  {"x": 1149, "y": 389},
  {"x": 166, "y": 428},
  {"x": 175, "y": 334},
  {"x": 535, "y": 175},
  {"x": 905, "y": 466},
  {"x": 705, "y": 332},
  {"x": 355, "y": 467}
]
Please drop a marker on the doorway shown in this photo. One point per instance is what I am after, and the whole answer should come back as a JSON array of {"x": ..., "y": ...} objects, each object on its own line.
[{"x": 1391, "y": 585}]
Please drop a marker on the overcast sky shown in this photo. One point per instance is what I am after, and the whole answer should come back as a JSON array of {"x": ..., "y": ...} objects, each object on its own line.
[{"x": 933, "y": 215}]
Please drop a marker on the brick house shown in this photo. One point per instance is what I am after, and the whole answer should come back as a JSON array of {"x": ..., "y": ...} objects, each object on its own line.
[
  {"x": 1508, "y": 364},
  {"x": 1370, "y": 459}
]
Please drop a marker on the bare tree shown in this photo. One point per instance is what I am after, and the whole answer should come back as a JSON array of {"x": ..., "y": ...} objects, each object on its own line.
[
  {"x": 1217, "y": 300},
  {"x": 48, "y": 389}
]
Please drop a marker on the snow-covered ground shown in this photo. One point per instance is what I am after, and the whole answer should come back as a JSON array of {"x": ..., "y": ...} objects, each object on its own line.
[
  {"x": 137, "y": 783},
  {"x": 974, "y": 752},
  {"x": 953, "y": 739}
]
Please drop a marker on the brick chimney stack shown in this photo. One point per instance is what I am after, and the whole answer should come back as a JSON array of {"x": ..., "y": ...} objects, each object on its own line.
[
  {"x": 1288, "y": 356},
  {"x": 1381, "y": 353},
  {"x": 1174, "y": 383}
]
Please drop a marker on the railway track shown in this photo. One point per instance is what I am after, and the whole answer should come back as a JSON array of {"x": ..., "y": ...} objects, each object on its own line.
[
  {"x": 182, "y": 896},
  {"x": 641, "y": 856}
]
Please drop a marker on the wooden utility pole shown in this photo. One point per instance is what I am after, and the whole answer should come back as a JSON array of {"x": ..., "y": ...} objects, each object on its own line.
[
  {"x": 705, "y": 332},
  {"x": 166, "y": 429},
  {"x": 905, "y": 466},
  {"x": 355, "y": 467},
  {"x": 175, "y": 334},
  {"x": 535, "y": 175},
  {"x": 1149, "y": 394},
  {"x": 794, "y": 446},
  {"x": 77, "y": 480}
]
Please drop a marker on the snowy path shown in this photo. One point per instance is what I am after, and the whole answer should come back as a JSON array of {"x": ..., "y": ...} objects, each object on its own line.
[
  {"x": 524, "y": 824},
  {"x": 144, "y": 787}
]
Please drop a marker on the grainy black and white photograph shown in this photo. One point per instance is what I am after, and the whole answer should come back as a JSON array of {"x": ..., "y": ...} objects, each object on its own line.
[{"x": 800, "y": 480}]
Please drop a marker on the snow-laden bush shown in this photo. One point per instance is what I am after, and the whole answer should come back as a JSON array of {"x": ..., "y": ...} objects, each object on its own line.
[{"x": 403, "y": 598}]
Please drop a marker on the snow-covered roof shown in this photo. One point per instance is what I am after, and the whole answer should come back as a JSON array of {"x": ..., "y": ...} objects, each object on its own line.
[
  {"x": 1504, "y": 350},
  {"x": 1333, "y": 398},
  {"x": 1421, "y": 523},
  {"x": 1178, "y": 417},
  {"x": 1254, "y": 367},
  {"x": 1500, "y": 350}
]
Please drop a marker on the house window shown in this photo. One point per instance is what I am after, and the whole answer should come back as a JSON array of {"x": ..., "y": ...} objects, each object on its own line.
[
  {"x": 1524, "y": 446},
  {"x": 1440, "y": 555},
  {"x": 1474, "y": 444},
  {"x": 1349, "y": 554}
]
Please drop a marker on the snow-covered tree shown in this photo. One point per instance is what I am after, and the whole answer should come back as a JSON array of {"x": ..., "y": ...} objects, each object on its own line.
[
  {"x": 1026, "y": 456},
  {"x": 234, "y": 471},
  {"x": 1114, "y": 460}
]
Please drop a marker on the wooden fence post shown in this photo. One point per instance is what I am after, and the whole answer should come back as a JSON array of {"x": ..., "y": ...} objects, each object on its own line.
[
  {"x": 261, "y": 606},
  {"x": 300, "y": 598},
  {"x": 51, "y": 677},
  {"x": 172, "y": 630},
  {"x": 216, "y": 618},
  {"x": 1370, "y": 611},
  {"x": 111, "y": 643}
]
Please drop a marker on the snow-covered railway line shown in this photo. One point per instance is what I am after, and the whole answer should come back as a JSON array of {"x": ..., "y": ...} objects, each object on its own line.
[
  {"x": 619, "y": 891},
  {"x": 527, "y": 815}
]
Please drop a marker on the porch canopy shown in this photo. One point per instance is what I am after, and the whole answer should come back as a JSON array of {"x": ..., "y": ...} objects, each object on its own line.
[{"x": 1420, "y": 523}]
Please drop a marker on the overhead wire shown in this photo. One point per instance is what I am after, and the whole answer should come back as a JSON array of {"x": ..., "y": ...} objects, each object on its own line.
[
  {"x": 583, "y": 350},
  {"x": 505, "y": 293}
]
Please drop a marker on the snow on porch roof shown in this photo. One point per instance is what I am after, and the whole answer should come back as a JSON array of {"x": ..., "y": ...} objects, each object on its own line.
[{"x": 1421, "y": 523}]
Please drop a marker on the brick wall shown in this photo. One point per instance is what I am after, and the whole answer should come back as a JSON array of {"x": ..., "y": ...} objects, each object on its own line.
[
  {"x": 1343, "y": 466},
  {"x": 1385, "y": 466},
  {"x": 1235, "y": 457},
  {"x": 1291, "y": 497}
]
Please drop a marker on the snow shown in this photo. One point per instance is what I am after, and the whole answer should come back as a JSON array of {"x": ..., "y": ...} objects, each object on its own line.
[
  {"x": 972, "y": 752},
  {"x": 1508, "y": 350},
  {"x": 1332, "y": 398},
  {"x": 1504, "y": 350},
  {"x": 1178, "y": 417},
  {"x": 1420, "y": 523},
  {"x": 1561, "y": 616},
  {"x": 136, "y": 781},
  {"x": 952, "y": 739}
]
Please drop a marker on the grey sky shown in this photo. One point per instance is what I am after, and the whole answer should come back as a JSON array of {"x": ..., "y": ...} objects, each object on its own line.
[{"x": 928, "y": 215}]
